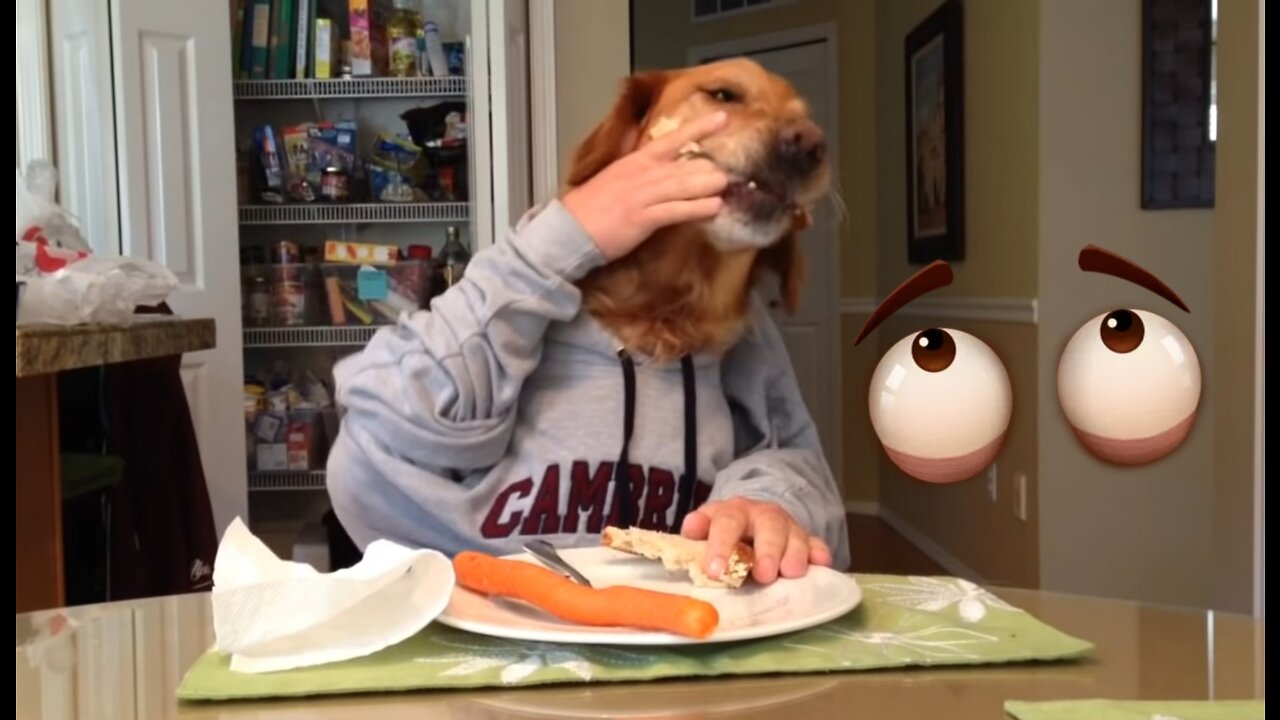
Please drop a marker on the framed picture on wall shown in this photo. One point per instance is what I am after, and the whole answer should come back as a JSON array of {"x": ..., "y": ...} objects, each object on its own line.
[{"x": 934, "y": 57}]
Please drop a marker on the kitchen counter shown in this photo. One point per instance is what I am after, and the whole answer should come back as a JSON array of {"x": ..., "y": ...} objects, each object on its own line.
[
  {"x": 43, "y": 351},
  {"x": 47, "y": 349}
]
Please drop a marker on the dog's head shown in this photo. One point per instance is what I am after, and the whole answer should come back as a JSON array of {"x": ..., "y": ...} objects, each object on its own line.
[{"x": 774, "y": 154}]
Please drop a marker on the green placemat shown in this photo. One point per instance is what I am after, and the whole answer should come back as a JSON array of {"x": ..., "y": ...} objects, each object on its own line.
[
  {"x": 902, "y": 621},
  {"x": 1137, "y": 710}
]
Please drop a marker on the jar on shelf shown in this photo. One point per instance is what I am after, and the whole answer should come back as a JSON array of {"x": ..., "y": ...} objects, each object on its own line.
[{"x": 289, "y": 294}]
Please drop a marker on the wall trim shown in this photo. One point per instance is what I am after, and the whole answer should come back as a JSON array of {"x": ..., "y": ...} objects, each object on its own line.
[
  {"x": 542, "y": 100},
  {"x": 1020, "y": 310},
  {"x": 936, "y": 552},
  {"x": 34, "y": 84},
  {"x": 862, "y": 507}
]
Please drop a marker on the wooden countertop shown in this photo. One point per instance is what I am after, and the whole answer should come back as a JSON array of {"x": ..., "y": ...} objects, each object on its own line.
[{"x": 45, "y": 349}]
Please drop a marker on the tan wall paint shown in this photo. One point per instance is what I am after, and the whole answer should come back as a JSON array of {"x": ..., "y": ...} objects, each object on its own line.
[
  {"x": 1001, "y": 178},
  {"x": 986, "y": 536},
  {"x": 1001, "y": 139},
  {"x": 1235, "y": 258},
  {"x": 862, "y": 453},
  {"x": 1143, "y": 533},
  {"x": 593, "y": 55}
]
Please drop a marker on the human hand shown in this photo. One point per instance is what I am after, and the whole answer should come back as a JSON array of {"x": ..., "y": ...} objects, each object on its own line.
[
  {"x": 648, "y": 189},
  {"x": 782, "y": 546}
]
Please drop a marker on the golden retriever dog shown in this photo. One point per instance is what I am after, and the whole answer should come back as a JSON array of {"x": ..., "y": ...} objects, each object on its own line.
[{"x": 686, "y": 289}]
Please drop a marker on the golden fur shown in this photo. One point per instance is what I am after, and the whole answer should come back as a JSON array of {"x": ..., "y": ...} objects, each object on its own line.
[{"x": 678, "y": 293}]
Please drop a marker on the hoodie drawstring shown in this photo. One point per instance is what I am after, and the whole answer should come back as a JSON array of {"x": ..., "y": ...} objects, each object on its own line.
[{"x": 622, "y": 469}]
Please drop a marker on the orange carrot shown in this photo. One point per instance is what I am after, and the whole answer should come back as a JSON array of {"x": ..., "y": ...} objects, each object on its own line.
[{"x": 615, "y": 606}]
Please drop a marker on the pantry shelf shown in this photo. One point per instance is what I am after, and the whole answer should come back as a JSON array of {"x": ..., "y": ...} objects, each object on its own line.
[
  {"x": 453, "y": 86},
  {"x": 323, "y": 336},
  {"x": 286, "y": 480},
  {"x": 321, "y": 214}
]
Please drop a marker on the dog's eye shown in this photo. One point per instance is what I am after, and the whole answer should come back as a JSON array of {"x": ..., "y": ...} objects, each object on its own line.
[{"x": 724, "y": 95}]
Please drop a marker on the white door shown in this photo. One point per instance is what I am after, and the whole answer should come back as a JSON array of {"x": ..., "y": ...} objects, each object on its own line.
[
  {"x": 811, "y": 334},
  {"x": 177, "y": 184},
  {"x": 498, "y": 58},
  {"x": 80, "y": 55}
]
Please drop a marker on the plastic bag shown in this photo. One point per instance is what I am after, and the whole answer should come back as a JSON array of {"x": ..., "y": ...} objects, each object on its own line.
[
  {"x": 60, "y": 282},
  {"x": 39, "y": 218}
]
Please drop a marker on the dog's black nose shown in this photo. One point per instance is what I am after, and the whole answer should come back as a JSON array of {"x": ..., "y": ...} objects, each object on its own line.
[{"x": 802, "y": 147}]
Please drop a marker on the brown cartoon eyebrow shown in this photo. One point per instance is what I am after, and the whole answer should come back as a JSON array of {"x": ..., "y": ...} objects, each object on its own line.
[
  {"x": 933, "y": 276},
  {"x": 1099, "y": 260}
]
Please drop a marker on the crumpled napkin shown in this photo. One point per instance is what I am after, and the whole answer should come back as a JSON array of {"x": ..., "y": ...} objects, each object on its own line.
[{"x": 271, "y": 614}]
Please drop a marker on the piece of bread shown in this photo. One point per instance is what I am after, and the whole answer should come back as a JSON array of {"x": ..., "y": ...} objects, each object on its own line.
[{"x": 681, "y": 554}]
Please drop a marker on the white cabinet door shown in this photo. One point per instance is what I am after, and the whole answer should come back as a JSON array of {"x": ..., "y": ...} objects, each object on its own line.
[
  {"x": 80, "y": 54},
  {"x": 175, "y": 146}
]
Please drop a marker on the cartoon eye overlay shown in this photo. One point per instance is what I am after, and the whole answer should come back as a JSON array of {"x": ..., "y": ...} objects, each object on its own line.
[
  {"x": 1129, "y": 380},
  {"x": 940, "y": 399}
]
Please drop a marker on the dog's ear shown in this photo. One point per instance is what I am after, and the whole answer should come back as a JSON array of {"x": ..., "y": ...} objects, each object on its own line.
[
  {"x": 618, "y": 133},
  {"x": 785, "y": 259}
]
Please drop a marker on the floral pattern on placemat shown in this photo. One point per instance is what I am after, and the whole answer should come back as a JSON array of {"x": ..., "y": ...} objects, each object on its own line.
[{"x": 902, "y": 621}]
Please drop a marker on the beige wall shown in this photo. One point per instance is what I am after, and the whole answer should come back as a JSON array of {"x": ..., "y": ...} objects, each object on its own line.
[
  {"x": 1001, "y": 138},
  {"x": 986, "y": 536},
  {"x": 1146, "y": 532},
  {"x": 1001, "y": 177},
  {"x": 593, "y": 55},
  {"x": 1234, "y": 255},
  {"x": 664, "y": 34}
]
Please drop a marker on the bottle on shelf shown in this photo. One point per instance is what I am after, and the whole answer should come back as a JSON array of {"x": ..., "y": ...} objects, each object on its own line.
[
  {"x": 454, "y": 257},
  {"x": 420, "y": 273},
  {"x": 402, "y": 38}
]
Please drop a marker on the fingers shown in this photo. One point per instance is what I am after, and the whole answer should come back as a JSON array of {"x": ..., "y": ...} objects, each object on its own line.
[
  {"x": 690, "y": 183},
  {"x": 682, "y": 211},
  {"x": 769, "y": 533},
  {"x": 819, "y": 553},
  {"x": 795, "y": 561},
  {"x": 728, "y": 525},
  {"x": 668, "y": 146},
  {"x": 696, "y": 525},
  {"x": 782, "y": 547}
]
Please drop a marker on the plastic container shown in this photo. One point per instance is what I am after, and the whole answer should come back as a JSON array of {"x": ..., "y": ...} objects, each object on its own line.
[
  {"x": 374, "y": 294},
  {"x": 288, "y": 295}
]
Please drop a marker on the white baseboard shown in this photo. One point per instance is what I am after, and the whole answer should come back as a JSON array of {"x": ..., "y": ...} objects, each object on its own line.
[
  {"x": 862, "y": 507},
  {"x": 933, "y": 550}
]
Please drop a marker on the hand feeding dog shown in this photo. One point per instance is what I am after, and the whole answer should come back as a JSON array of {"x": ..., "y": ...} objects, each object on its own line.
[{"x": 686, "y": 289}]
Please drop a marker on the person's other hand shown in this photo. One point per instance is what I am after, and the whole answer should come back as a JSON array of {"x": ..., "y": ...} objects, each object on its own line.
[{"x": 783, "y": 548}]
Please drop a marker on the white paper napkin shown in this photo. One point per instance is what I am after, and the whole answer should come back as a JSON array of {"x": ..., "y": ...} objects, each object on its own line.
[{"x": 270, "y": 614}]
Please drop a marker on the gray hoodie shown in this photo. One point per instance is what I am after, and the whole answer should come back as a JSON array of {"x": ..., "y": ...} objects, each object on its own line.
[{"x": 501, "y": 414}]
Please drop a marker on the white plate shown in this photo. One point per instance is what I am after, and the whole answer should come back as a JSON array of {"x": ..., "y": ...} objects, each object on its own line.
[{"x": 753, "y": 611}]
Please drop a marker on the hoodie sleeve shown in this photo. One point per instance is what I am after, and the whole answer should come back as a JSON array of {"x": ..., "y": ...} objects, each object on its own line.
[
  {"x": 778, "y": 457},
  {"x": 440, "y": 388}
]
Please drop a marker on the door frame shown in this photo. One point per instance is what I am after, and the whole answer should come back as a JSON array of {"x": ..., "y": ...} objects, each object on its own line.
[
  {"x": 824, "y": 33},
  {"x": 34, "y": 88}
]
